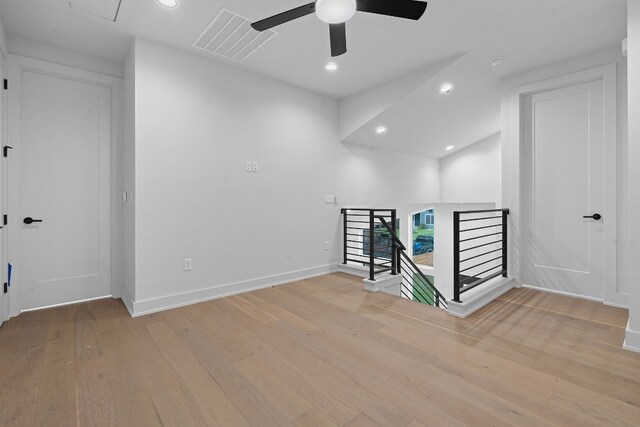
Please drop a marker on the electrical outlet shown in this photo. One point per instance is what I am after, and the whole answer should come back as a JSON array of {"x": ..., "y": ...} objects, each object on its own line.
[
  {"x": 188, "y": 264},
  {"x": 255, "y": 166},
  {"x": 248, "y": 167},
  {"x": 326, "y": 245}
]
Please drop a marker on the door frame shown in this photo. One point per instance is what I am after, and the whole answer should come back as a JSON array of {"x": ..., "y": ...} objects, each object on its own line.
[
  {"x": 4, "y": 299},
  {"x": 513, "y": 170},
  {"x": 17, "y": 65}
]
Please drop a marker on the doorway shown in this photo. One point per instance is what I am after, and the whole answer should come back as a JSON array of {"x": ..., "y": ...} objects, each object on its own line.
[
  {"x": 564, "y": 189},
  {"x": 59, "y": 195}
]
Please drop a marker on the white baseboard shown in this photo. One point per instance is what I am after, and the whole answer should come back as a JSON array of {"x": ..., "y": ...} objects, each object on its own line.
[
  {"x": 153, "y": 305},
  {"x": 616, "y": 300},
  {"x": 80, "y": 301},
  {"x": 568, "y": 294},
  {"x": 353, "y": 269},
  {"x": 128, "y": 301},
  {"x": 631, "y": 340},
  {"x": 389, "y": 284},
  {"x": 478, "y": 300}
]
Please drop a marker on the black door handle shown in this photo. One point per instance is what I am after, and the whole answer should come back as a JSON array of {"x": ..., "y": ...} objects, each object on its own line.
[
  {"x": 28, "y": 220},
  {"x": 596, "y": 216}
]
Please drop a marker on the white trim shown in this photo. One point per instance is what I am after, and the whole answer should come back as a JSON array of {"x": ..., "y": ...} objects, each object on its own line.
[
  {"x": 389, "y": 284},
  {"x": 631, "y": 340},
  {"x": 18, "y": 64},
  {"x": 483, "y": 297},
  {"x": 568, "y": 294},
  {"x": 513, "y": 181},
  {"x": 45, "y": 307},
  {"x": 153, "y": 305},
  {"x": 127, "y": 301},
  {"x": 353, "y": 269}
]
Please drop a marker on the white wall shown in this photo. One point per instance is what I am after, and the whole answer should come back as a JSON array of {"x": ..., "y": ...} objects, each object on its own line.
[
  {"x": 473, "y": 174},
  {"x": 196, "y": 123},
  {"x": 3, "y": 41},
  {"x": 377, "y": 176},
  {"x": 633, "y": 28}
]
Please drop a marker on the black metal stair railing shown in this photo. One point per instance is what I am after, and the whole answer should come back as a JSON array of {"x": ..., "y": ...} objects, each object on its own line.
[
  {"x": 365, "y": 241},
  {"x": 415, "y": 285},
  {"x": 479, "y": 248},
  {"x": 370, "y": 239}
]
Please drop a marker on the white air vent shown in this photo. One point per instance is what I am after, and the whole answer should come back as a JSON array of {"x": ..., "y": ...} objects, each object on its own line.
[{"x": 231, "y": 36}]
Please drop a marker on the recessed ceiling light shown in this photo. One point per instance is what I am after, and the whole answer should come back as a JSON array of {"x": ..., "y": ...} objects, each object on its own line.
[
  {"x": 381, "y": 130},
  {"x": 335, "y": 11},
  {"x": 446, "y": 88},
  {"x": 449, "y": 148},
  {"x": 168, "y": 3},
  {"x": 497, "y": 61},
  {"x": 331, "y": 66}
]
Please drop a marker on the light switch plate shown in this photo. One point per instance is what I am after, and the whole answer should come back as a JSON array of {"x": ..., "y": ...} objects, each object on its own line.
[{"x": 330, "y": 199}]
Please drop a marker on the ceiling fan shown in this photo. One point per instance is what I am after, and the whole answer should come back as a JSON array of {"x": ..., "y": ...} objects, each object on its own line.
[{"x": 337, "y": 12}]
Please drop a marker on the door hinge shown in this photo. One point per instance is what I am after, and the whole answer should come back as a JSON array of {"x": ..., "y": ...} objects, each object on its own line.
[
  {"x": 6, "y": 84},
  {"x": 5, "y": 219},
  {"x": 5, "y": 150}
]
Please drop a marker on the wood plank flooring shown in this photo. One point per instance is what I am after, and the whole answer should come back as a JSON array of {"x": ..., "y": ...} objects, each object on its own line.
[{"x": 321, "y": 352}]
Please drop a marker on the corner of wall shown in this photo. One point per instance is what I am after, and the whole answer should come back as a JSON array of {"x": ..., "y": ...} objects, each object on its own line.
[
  {"x": 3, "y": 41},
  {"x": 128, "y": 184}
]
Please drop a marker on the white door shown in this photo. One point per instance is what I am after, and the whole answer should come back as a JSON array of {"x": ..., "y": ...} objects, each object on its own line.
[
  {"x": 564, "y": 179},
  {"x": 4, "y": 306},
  {"x": 64, "y": 162}
]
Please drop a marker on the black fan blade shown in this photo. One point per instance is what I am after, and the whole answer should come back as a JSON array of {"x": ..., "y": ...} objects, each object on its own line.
[
  {"x": 338, "y": 35},
  {"x": 408, "y": 9},
  {"x": 284, "y": 17}
]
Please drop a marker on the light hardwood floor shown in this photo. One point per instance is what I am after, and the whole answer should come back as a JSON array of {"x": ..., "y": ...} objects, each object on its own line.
[{"x": 321, "y": 352}]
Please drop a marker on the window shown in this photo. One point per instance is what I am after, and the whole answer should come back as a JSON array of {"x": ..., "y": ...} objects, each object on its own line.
[{"x": 423, "y": 237}]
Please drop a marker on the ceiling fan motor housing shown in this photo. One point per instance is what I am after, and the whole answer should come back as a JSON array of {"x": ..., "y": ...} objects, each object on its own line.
[{"x": 335, "y": 11}]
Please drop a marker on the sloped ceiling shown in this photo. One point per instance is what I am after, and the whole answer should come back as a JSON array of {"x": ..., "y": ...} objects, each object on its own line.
[{"x": 425, "y": 122}]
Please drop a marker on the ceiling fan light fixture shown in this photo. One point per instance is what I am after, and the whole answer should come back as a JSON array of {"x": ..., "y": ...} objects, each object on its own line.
[
  {"x": 168, "y": 3},
  {"x": 335, "y": 11}
]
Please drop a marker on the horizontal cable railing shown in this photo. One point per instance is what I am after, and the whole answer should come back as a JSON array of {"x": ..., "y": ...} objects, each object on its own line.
[
  {"x": 367, "y": 242},
  {"x": 370, "y": 239},
  {"x": 479, "y": 248},
  {"x": 415, "y": 285}
]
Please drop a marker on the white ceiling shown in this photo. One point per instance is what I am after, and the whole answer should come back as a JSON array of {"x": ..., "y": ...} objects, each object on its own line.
[
  {"x": 425, "y": 122},
  {"x": 527, "y": 33}
]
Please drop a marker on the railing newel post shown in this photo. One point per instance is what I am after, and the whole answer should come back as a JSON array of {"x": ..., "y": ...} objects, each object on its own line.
[
  {"x": 372, "y": 273},
  {"x": 505, "y": 217},
  {"x": 456, "y": 256},
  {"x": 395, "y": 267},
  {"x": 344, "y": 236}
]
